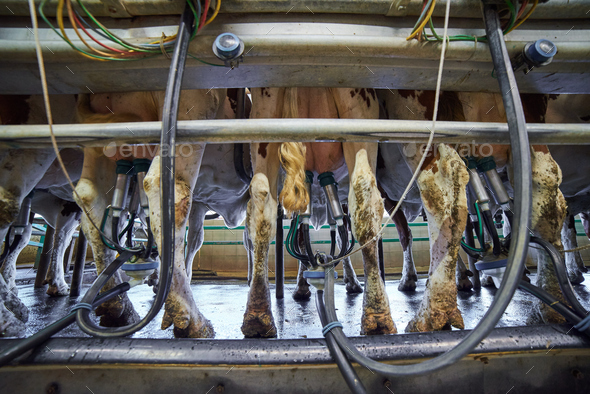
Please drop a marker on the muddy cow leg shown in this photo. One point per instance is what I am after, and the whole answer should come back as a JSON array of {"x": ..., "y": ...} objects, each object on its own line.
[
  {"x": 442, "y": 187},
  {"x": 366, "y": 211},
  {"x": 181, "y": 309},
  {"x": 573, "y": 260},
  {"x": 13, "y": 313},
  {"x": 462, "y": 275},
  {"x": 67, "y": 221},
  {"x": 261, "y": 220},
  {"x": 549, "y": 210},
  {"x": 196, "y": 234},
  {"x": 8, "y": 269},
  {"x": 98, "y": 175}
]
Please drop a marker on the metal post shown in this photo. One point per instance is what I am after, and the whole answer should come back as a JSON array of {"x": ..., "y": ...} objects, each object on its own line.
[
  {"x": 381, "y": 259},
  {"x": 279, "y": 255},
  {"x": 78, "y": 273},
  {"x": 45, "y": 257}
]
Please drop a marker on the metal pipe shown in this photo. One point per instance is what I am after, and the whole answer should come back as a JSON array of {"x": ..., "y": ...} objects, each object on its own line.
[
  {"x": 279, "y": 256},
  {"x": 45, "y": 259},
  {"x": 460, "y": 8},
  {"x": 279, "y": 130},
  {"x": 80, "y": 260}
]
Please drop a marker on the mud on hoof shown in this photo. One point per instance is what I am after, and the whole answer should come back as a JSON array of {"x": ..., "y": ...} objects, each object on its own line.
[
  {"x": 259, "y": 325},
  {"x": 302, "y": 293},
  {"x": 117, "y": 313},
  {"x": 377, "y": 324},
  {"x": 435, "y": 320},
  {"x": 353, "y": 286},
  {"x": 188, "y": 322},
  {"x": 408, "y": 283},
  {"x": 58, "y": 290}
]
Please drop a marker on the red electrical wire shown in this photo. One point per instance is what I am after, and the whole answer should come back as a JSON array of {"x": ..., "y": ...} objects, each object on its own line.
[
  {"x": 204, "y": 15},
  {"x": 522, "y": 7},
  {"x": 80, "y": 25}
]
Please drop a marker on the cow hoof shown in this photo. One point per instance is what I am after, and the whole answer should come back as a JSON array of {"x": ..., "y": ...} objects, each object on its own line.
[
  {"x": 377, "y": 324},
  {"x": 14, "y": 306},
  {"x": 259, "y": 325},
  {"x": 197, "y": 328},
  {"x": 10, "y": 326},
  {"x": 575, "y": 277},
  {"x": 117, "y": 313},
  {"x": 436, "y": 319},
  {"x": 353, "y": 287},
  {"x": 487, "y": 281},
  {"x": 407, "y": 283},
  {"x": 302, "y": 293},
  {"x": 58, "y": 290},
  {"x": 464, "y": 285}
]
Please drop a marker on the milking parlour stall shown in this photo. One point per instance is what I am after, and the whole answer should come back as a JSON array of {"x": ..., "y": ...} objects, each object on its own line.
[{"x": 423, "y": 164}]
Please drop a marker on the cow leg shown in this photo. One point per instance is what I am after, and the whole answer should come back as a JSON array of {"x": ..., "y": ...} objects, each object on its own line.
[
  {"x": 261, "y": 221},
  {"x": 462, "y": 275},
  {"x": 301, "y": 292},
  {"x": 366, "y": 212},
  {"x": 98, "y": 175},
  {"x": 21, "y": 170},
  {"x": 442, "y": 187},
  {"x": 13, "y": 313},
  {"x": 547, "y": 222},
  {"x": 196, "y": 234},
  {"x": 181, "y": 309},
  {"x": 67, "y": 221},
  {"x": 573, "y": 260},
  {"x": 8, "y": 269},
  {"x": 585, "y": 217},
  {"x": 409, "y": 275}
]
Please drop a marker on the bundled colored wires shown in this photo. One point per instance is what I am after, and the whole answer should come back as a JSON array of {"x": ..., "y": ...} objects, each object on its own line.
[
  {"x": 425, "y": 18},
  {"x": 113, "y": 47}
]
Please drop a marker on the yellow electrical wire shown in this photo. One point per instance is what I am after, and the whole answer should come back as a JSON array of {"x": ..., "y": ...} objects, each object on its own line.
[
  {"x": 70, "y": 13},
  {"x": 524, "y": 18},
  {"x": 60, "y": 22},
  {"x": 424, "y": 22},
  {"x": 217, "y": 7}
]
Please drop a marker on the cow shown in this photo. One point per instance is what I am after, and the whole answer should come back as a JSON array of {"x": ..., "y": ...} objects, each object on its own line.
[
  {"x": 365, "y": 204},
  {"x": 20, "y": 171},
  {"x": 442, "y": 184}
]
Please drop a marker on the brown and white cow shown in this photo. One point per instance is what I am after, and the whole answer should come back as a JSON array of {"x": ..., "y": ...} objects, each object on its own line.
[
  {"x": 442, "y": 185},
  {"x": 365, "y": 204}
]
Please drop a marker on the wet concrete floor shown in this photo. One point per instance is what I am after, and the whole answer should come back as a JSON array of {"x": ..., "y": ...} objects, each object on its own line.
[{"x": 224, "y": 302}]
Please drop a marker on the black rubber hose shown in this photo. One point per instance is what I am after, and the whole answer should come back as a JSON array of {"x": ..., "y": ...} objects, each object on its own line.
[
  {"x": 516, "y": 259},
  {"x": 304, "y": 228},
  {"x": 150, "y": 239},
  {"x": 332, "y": 242},
  {"x": 343, "y": 232},
  {"x": 6, "y": 247},
  {"x": 43, "y": 335},
  {"x": 488, "y": 222},
  {"x": 10, "y": 248},
  {"x": 212, "y": 216},
  {"x": 115, "y": 233},
  {"x": 348, "y": 373},
  {"x": 554, "y": 303},
  {"x": 561, "y": 273}
]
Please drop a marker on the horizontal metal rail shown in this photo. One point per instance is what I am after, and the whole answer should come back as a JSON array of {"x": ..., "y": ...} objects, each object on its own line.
[
  {"x": 462, "y": 8},
  {"x": 280, "y": 130}
]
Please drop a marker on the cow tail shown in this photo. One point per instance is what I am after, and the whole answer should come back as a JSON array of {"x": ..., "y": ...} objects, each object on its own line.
[{"x": 294, "y": 196}]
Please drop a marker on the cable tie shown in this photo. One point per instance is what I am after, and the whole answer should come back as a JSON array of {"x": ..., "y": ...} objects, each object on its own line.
[
  {"x": 162, "y": 46},
  {"x": 331, "y": 326}
]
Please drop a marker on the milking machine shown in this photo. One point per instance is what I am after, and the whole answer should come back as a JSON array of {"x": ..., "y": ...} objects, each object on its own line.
[
  {"x": 138, "y": 259},
  {"x": 299, "y": 229},
  {"x": 18, "y": 227}
]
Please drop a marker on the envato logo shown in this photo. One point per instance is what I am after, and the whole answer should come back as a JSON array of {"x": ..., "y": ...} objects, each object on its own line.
[
  {"x": 467, "y": 149},
  {"x": 125, "y": 151}
]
